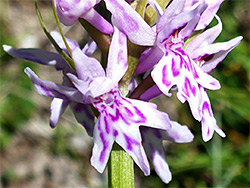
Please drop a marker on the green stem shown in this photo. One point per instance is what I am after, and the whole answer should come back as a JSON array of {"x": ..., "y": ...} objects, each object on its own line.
[
  {"x": 68, "y": 60},
  {"x": 120, "y": 169},
  {"x": 59, "y": 28}
]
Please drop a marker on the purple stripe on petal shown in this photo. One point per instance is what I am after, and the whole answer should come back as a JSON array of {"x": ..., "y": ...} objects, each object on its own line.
[
  {"x": 130, "y": 114},
  {"x": 140, "y": 114},
  {"x": 175, "y": 68},
  {"x": 107, "y": 127},
  {"x": 165, "y": 80},
  {"x": 105, "y": 147},
  {"x": 130, "y": 142},
  {"x": 188, "y": 87},
  {"x": 206, "y": 107}
]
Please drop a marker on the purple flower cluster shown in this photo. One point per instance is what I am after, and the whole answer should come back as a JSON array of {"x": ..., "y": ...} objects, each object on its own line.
[{"x": 168, "y": 58}]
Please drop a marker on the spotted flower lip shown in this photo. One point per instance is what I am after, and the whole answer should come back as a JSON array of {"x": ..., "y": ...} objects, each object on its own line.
[
  {"x": 186, "y": 67},
  {"x": 70, "y": 10},
  {"x": 120, "y": 117}
]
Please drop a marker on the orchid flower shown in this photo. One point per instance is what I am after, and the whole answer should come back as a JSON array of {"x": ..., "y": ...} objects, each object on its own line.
[
  {"x": 120, "y": 117},
  {"x": 154, "y": 149},
  {"x": 83, "y": 113},
  {"x": 70, "y": 10},
  {"x": 178, "y": 66}
]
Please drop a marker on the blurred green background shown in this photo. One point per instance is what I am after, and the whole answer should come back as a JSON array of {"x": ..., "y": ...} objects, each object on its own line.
[{"x": 34, "y": 155}]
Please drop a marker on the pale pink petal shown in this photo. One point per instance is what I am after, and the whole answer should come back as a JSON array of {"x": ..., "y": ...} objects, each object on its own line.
[
  {"x": 171, "y": 11},
  {"x": 50, "y": 89},
  {"x": 86, "y": 66},
  {"x": 95, "y": 19},
  {"x": 146, "y": 114},
  {"x": 148, "y": 59},
  {"x": 118, "y": 56},
  {"x": 57, "y": 108},
  {"x": 103, "y": 142},
  {"x": 208, "y": 57},
  {"x": 178, "y": 133},
  {"x": 89, "y": 48},
  {"x": 205, "y": 80},
  {"x": 36, "y": 55},
  {"x": 178, "y": 22},
  {"x": 208, "y": 122},
  {"x": 58, "y": 38},
  {"x": 130, "y": 22}
]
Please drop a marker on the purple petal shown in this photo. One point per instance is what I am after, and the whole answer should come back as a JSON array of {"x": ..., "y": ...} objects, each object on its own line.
[
  {"x": 58, "y": 38},
  {"x": 69, "y": 11},
  {"x": 103, "y": 143},
  {"x": 178, "y": 133},
  {"x": 89, "y": 48},
  {"x": 208, "y": 57},
  {"x": 50, "y": 89},
  {"x": 95, "y": 19},
  {"x": 130, "y": 22},
  {"x": 118, "y": 56},
  {"x": 152, "y": 117},
  {"x": 130, "y": 141},
  {"x": 171, "y": 11},
  {"x": 152, "y": 143},
  {"x": 205, "y": 80},
  {"x": 84, "y": 116},
  {"x": 151, "y": 93},
  {"x": 179, "y": 21},
  {"x": 148, "y": 59},
  {"x": 86, "y": 66},
  {"x": 57, "y": 108},
  {"x": 208, "y": 122},
  {"x": 36, "y": 55}
]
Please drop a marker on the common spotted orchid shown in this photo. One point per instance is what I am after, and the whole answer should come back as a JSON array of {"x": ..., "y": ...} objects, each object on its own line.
[
  {"x": 178, "y": 66},
  {"x": 120, "y": 117}
]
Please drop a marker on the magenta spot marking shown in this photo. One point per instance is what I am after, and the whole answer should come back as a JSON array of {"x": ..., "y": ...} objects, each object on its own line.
[
  {"x": 175, "y": 69},
  {"x": 208, "y": 131},
  {"x": 206, "y": 107},
  {"x": 105, "y": 147},
  {"x": 115, "y": 133},
  {"x": 130, "y": 142},
  {"x": 116, "y": 117},
  {"x": 188, "y": 86},
  {"x": 212, "y": 83},
  {"x": 165, "y": 80},
  {"x": 140, "y": 114},
  {"x": 196, "y": 74},
  {"x": 77, "y": 1},
  {"x": 129, "y": 112},
  {"x": 107, "y": 127}
]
